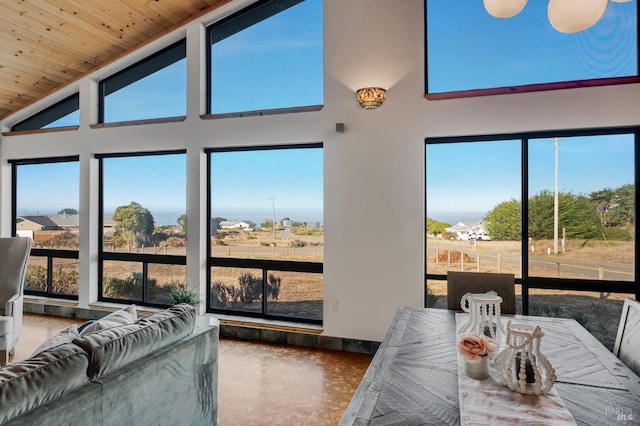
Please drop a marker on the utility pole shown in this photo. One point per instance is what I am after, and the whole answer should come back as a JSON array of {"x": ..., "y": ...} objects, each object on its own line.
[
  {"x": 555, "y": 202},
  {"x": 273, "y": 209}
]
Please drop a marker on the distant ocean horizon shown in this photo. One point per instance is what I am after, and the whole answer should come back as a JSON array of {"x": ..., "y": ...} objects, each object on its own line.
[{"x": 454, "y": 217}]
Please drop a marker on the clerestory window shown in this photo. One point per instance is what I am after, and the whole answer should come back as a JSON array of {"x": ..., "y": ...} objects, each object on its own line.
[
  {"x": 61, "y": 114},
  {"x": 268, "y": 56},
  {"x": 471, "y": 53},
  {"x": 152, "y": 88}
]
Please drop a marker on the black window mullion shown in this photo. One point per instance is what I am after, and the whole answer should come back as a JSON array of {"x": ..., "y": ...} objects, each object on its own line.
[
  {"x": 145, "y": 282},
  {"x": 264, "y": 292},
  {"x": 524, "y": 217},
  {"x": 49, "y": 274}
]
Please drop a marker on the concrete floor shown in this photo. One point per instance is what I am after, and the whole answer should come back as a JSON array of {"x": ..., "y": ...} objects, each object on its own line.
[{"x": 259, "y": 384}]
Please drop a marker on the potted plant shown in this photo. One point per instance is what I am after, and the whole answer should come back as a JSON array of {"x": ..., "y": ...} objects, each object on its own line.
[{"x": 180, "y": 293}]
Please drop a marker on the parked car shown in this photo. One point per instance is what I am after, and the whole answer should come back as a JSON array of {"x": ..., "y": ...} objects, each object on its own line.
[{"x": 480, "y": 237}]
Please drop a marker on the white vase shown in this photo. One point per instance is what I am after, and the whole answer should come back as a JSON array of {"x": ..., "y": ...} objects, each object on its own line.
[{"x": 477, "y": 370}]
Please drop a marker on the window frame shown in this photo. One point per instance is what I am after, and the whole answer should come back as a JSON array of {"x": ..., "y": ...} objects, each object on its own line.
[
  {"x": 525, "y": 88},
  {"x": 265, "y": 265},
  {"x": 49, "y": 254},
  {"x": 532, "y": 282},
  {"x": 145, "y": 259}
]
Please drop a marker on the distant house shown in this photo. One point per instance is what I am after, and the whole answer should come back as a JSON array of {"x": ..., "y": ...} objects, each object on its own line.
[
  {"x": 36, "y": 223},
  {"x": 68, "y": 222},
  {"x": 246, "y": 225},
  {"x": 108, "y": 224},
  {"x": 464, "y": 230},
  {"x": 26, "y": 226}
]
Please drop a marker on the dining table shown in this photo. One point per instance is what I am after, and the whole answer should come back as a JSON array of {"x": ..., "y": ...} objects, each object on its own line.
[{"x": 413, "y": 378}]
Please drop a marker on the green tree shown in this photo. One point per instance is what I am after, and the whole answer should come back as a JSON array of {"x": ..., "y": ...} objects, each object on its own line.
[
  {"x": 623, "y": 210},
  {"x": 504, "y": 221},
  {"x": 435, "y": 227},
  {"x": 576, "y": 214},
  {"x": 603, "y": 201},
  {"x": 182, "y": 221},
  {"x": 68, "y": 211},
  {"x": 134, "y": 222},
  {"x": 267, "y": 224}
]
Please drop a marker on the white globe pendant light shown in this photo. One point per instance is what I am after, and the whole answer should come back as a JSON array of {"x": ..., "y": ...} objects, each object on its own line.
[
  {"x": 572, "y": 16},
  {"x": 504, "y": 8}
]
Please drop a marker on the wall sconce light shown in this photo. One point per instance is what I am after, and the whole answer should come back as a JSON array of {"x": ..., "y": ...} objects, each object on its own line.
[{"x": 371, "y": 97}]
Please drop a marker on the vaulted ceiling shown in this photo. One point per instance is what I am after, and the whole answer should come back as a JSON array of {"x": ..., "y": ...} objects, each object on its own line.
[{"x": 46, "y": 44}]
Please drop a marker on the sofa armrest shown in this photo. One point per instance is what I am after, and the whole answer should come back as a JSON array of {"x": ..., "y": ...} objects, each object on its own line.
[
  {"x": 13, "y": 309},
  {"x": 6, "y": 327},
  {"x": 14, "y": 305}
]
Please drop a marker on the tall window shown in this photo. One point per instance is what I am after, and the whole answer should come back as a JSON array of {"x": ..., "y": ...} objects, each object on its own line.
[
  {"x": 46, "y": 210},
  {"x": 267, "y": 231},
  {"x": 470, "y": 53},
  {"x": 61, "y": 114},
  {"x": 143, "y": 253},
  {"x": 563, "y": 221},
  {"x": 268, "y": 56},
  {"x": 153, "y": 88}
]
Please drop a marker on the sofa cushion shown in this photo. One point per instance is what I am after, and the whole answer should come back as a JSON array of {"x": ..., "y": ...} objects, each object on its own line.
[
  {"x": 65, "y": 336},
  {"x": 123, "y": 316},
  {"x": 29, "y": 384},
  {"x": 115, "y": 347}
]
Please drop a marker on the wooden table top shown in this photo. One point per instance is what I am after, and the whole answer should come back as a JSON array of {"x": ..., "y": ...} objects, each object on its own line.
[{"x": 413, "y": 378}]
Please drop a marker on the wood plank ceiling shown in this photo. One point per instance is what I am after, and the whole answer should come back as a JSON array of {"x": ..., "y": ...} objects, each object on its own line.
[{"x": 46, "y": 44}]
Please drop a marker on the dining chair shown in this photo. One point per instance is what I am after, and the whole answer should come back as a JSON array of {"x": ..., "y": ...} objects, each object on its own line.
[
  {"x": 14, "y": 255},
  {"x": 628, "y": 339},
  {"x": 460, "y": 283}
]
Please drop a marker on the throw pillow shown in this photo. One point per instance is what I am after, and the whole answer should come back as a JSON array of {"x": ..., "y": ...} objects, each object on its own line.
[
  {"x": 65, "y": 336},
  {"x": 122, "y": 317}
]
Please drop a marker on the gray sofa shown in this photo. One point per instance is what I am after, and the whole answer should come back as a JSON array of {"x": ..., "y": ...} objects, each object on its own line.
[{"x": 159, "y": 370}]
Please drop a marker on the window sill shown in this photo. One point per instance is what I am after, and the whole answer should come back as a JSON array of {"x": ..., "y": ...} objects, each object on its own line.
[
  {"x": 36, "y": 131},
  {"x": 527, "y": 88},
  {"x": 139, "y": 122},
  {"x": 259, "y": 113}
]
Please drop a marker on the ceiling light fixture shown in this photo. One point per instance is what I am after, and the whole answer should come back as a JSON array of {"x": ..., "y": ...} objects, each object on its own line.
[
  {"x": 566, "y": 16},
  {"x": 371, "y": 97}
]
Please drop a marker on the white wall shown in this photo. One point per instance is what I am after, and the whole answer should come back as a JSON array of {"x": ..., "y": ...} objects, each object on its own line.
[{"x": 374, "y": 173}]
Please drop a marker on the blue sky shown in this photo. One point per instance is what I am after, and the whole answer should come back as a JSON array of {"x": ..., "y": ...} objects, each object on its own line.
[
  {"x": 475, "y": 177},
  {"x": 244, "y": 183},
  {"x": 470, "y": 49},
  {"x": 278, "y": 63}
]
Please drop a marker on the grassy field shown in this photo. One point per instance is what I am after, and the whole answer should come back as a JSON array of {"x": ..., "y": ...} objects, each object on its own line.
[
  {"x": 301, "y": 294},
  {"x": 597, "y": 312}
]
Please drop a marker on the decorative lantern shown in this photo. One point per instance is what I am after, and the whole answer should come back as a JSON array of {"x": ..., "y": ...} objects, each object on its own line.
[
  {"x": 521, "y": 366},
  {"x": 484, "y": 314}
]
